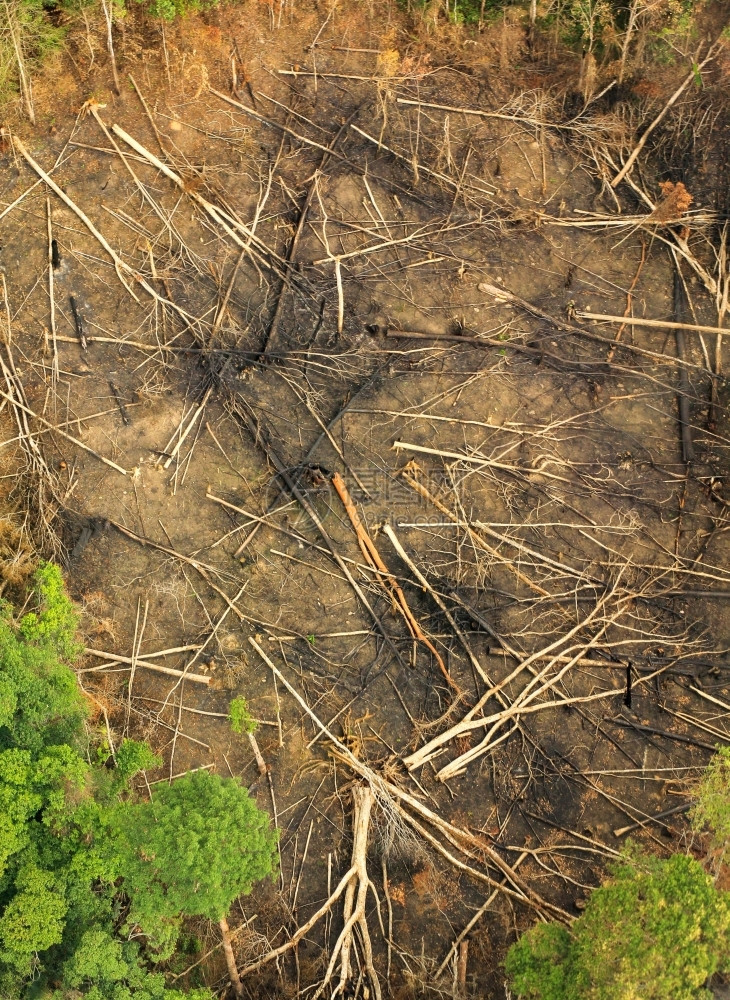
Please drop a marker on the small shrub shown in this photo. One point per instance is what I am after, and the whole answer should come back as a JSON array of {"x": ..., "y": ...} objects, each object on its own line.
[
  {"x": 240, "y": 717},
  {"x": 168, "y": 10},
  {"x": 460, "y": 11},
  {"x": 711, "y": 812}
]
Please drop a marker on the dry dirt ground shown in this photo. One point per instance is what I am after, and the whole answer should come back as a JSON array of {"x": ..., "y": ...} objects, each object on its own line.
[{"x": 349, "y": 281}]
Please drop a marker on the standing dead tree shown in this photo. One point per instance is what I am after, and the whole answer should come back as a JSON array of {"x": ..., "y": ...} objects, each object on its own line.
[
  {"x": 108, "y": 9},
  {"x": 11, "y": 34}
]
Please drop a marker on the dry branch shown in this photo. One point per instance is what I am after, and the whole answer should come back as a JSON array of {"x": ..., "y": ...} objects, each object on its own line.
[
  {"x": 444, "y": 178},
  {"x": 393, "y": 800},
  {"x": 142, "y": 661},
  {"x": 227, "y": 222},
  {"x": 652, "y": 819},
  {"x": 230, "y": 959},
  {"x": 51, "y": 294},
  {"x": 193, "y": 420},
  {"x": 63, "y": 434},
  {"x": 690, "y": 78},
  {"x": 120, "y": 266},
  {"x": 474, "y": 921},
  {"x": 654, "y": 324},
  {"x": 504, "y": 295},
  {"x": 554, "y": 564},
  {"x": 529, "y": 698},
  {"x": 387, "y": 530},
  {"x": 261, "y": 437},
  {"x": 363, "y": 799},
  {"x": 372, "y": 556},
  {"x": 523, "y": 119}
]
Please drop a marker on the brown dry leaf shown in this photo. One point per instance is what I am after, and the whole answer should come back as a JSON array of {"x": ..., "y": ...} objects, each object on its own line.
[
  {"x": 388, "y": 64},
  {"x": 676, "y": 199},
  {"x": 17, "y": 561},
  {"x": 397, "y": 893},
  {"x": 415, "y": 65},
  {"x": 96, "y": 619}
]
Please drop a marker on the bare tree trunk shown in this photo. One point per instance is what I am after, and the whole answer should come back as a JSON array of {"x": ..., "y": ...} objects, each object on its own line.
[
  {"x": 106, "y": 6},
  {"x": 26, "y": 90},
  {"x": 630, "y": 27},
  {"x": 230, "y": 959},
  {"x": 533, "y": 19},
  {"x": 461, "y": 967}
]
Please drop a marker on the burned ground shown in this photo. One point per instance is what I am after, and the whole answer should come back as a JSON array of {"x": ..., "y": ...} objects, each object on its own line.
[{"x": 332, "y": 275}]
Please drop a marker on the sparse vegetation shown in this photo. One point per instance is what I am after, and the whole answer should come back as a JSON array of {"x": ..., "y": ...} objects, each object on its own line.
[
  {"x": 606, "y": 30},
  {"x": 365, "y": 350},
  {"x": 27, "y": 37}
]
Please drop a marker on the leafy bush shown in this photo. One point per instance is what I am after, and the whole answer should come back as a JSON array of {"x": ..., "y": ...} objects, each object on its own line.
[
  {"x": 657, "y": 930},
  {"x": 711, "y": 811},
  {"x": 541, "y": 964},
  {"x": 240, "y": 717},
  {"x": 460, "y": 11},
  {"x": 55, "y": 621}
]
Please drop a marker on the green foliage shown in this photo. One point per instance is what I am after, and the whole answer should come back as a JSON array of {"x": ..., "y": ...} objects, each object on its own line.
[
  {"x": 46, "y": 868},
  {"x": 40, "y": 701},
  {"x": 55, "y": 621},
  {"x": 59, "y": 900},
  {"x": 539, "y": 965},
  {"x": 465, "y": 11},
  {"x": 133, "y": 757},
  {"x": 191, "y": 851},
  {"x": 168, "y": 10},
  {"x": 657, "y": 930},
  {"x": 105, "y": 968},
  {"x": 711, "y": 811},
  {"x": 240, "y": 717},
  {"x": 462, "y": 11},
  {"x": 34, "y": 918}
]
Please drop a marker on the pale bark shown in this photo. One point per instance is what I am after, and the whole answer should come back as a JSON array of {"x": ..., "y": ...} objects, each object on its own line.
[{"x": 230, "y": 959}]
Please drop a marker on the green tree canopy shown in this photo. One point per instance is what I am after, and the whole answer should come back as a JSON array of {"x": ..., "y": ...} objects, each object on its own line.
[
  {"x": 656, "y": 931},
  {"x": 58, "y": 889},
  {"x": 40, "y": 701},
  {"x": 104, "y": 968},
  {"x": 190, "y": 851},
  {"x": 77, "y": 848}
]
